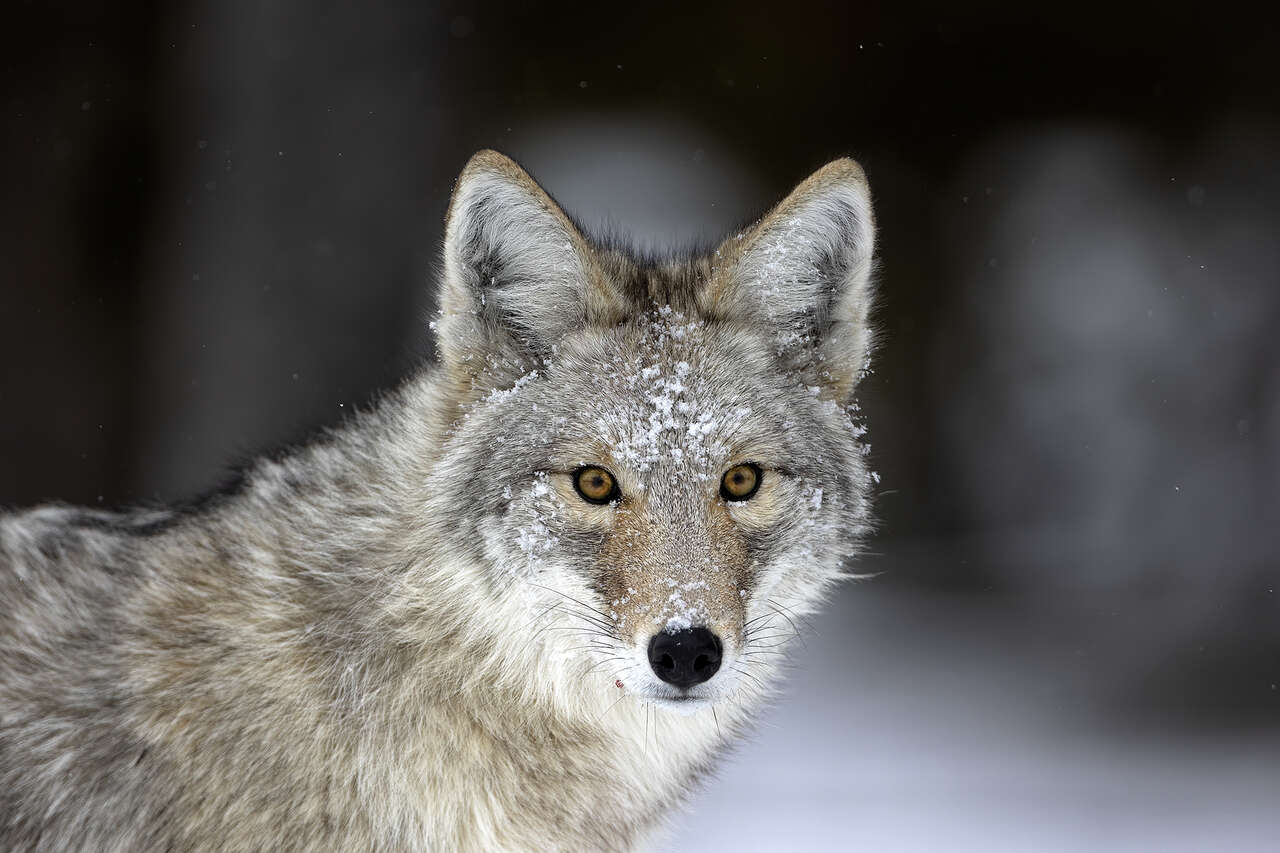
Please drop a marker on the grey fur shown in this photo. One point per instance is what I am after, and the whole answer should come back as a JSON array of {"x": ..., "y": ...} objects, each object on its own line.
[{"x": 411, "y": 634}]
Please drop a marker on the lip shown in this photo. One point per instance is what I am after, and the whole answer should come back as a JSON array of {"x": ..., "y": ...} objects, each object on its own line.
[{"x": 680, "y": 704}]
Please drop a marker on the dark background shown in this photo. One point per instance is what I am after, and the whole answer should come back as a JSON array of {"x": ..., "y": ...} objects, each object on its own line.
[{"x": 220, "y": 231}]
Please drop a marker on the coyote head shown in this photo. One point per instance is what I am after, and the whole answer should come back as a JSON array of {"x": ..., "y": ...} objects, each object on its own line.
[{"x": 662, "y": 456}]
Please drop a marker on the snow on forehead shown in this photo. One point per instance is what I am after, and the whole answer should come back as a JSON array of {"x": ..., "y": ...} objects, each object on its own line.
[{"x": 663, "y": 411}]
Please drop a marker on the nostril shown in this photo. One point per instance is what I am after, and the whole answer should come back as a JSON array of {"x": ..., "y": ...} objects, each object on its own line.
[{"x": 685, "y": 658}]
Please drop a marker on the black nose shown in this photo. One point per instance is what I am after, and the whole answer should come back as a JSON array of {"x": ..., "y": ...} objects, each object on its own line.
[{"x": 685, "y": 658}]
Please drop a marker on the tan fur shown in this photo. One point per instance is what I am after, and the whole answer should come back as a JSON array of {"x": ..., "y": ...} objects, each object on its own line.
[{"x": 641, "y": 554}]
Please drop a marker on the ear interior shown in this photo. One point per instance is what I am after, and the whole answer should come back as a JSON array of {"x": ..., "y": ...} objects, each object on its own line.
[
  {"x": 518, "y": 274},
  {"x": 803, "y": 273}
]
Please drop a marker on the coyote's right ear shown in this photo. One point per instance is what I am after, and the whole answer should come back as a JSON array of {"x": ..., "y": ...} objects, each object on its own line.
[{"x": 517, "y": 275}]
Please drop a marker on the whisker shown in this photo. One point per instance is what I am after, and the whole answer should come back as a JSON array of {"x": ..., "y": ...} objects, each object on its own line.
[
  {"x": 804, "y": 620},
  {"x": 586, "y": 617},
  {"x": 541, "y": 614},
  {"x": 571, "y": 598},
  {"x": 773, "y": 636},
  {"x": 789, "y": 619},
  {"x": 746, "y": 674},
  {"x": 762, "y": 626},
  {"x": 603, "y": 663},
  {"x": 776, "y": 644},
  {"x": 577, "y": 629},
  {"x": 612, "y": 705}
]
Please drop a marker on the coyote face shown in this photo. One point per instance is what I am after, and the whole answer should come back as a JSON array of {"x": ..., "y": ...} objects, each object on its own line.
[{"x": 663, "y": 457}]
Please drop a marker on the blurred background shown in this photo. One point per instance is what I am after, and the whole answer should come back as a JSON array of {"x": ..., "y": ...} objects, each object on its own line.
[{"x": 220, "y": 228}]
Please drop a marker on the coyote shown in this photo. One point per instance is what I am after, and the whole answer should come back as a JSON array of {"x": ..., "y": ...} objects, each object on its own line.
[{"x": 526, "y": 601}]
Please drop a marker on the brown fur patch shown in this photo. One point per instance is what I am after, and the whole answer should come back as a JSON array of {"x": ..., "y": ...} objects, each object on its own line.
[{"x": 653, "y": 571}]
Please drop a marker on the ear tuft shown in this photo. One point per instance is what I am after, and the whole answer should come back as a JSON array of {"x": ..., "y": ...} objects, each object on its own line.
[
  {"x": 517, "y": 274},
  {"x": 803, "y": 273}
]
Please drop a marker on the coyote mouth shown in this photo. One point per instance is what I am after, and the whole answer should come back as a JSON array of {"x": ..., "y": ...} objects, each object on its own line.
[
  {"x": 683, "y": 701},
  {"x": 680, "y": 704}
]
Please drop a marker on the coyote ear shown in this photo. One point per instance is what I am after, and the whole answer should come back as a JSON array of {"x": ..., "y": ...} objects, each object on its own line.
[
  {"x": 804, "y": 273},
  {"x": 517, "y": 274}
]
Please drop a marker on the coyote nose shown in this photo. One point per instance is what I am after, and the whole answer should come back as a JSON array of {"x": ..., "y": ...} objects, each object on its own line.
[{"x": 685, "y": 658}]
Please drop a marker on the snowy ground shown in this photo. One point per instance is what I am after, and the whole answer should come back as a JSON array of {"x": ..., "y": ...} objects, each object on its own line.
[{"x": 956, "y": 723}]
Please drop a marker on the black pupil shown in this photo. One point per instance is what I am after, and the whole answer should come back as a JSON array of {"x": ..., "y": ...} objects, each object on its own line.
[
  {"x": 739, "y": 481},
  {"x": 597, "y": 484}
]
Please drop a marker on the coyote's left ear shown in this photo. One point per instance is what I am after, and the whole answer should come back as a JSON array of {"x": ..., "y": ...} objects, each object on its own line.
[
  {"x": 804, "y": 273},
  {"x": 517, "y": 275}
]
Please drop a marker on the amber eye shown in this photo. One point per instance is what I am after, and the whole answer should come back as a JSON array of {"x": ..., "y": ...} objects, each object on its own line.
[
  {"x": 740, "y": 482},
  {"x": 596, "y": 485}
]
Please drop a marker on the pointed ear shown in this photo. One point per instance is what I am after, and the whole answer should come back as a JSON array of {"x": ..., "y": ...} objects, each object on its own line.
[
  {"x": 803, "y": 272},
  {"x": 517, "y": 274}
]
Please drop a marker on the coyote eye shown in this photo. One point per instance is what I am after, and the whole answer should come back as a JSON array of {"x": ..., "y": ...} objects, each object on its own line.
[
  {"x": 740, "y": 482},
  {"x": 596, "y": 485}
]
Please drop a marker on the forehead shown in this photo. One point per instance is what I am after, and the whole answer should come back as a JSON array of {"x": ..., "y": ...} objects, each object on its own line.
[{"x": 670, "y": 392}]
